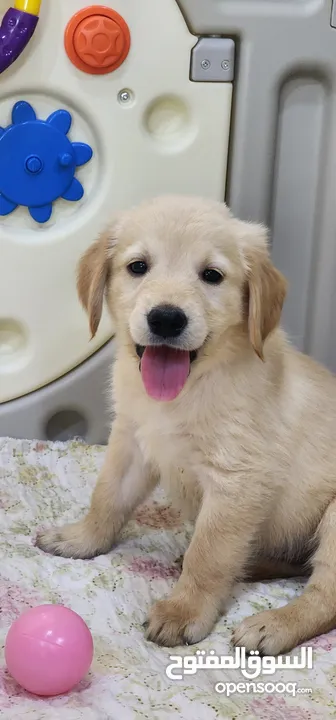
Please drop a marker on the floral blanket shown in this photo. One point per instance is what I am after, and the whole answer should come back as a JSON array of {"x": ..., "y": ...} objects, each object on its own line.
[{"x": 44, "y": 483}]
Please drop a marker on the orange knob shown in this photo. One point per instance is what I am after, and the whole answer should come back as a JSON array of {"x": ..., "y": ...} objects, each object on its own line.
[{"x": 97, "y": 40}]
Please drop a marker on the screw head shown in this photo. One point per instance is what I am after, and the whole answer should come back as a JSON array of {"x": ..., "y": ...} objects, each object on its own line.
[
  {"x": 125, "y": 96},
  {"x": 205, "y": 64},
  {"x": 225, "y": 64}
]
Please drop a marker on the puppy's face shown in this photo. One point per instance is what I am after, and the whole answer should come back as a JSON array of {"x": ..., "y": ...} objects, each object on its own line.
[{"x": 179, "y": 273}]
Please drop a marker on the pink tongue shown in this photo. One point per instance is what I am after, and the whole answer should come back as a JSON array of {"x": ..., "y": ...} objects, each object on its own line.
[{"x": 164, "y": 372}]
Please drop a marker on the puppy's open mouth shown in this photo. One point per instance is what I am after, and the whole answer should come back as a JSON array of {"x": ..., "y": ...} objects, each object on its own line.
[{"x": 164, "y": 370}]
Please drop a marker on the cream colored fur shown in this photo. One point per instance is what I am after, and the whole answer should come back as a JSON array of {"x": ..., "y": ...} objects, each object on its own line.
[{"x": 247, "y": 449}]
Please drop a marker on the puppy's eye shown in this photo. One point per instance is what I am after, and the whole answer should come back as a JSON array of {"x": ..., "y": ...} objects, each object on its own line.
[
  {"x": 212, "y": 276},
  {"x": 138, "y": 267}
]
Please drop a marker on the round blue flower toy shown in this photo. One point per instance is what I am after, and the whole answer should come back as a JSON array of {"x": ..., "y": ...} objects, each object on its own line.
[{"x": 38, "y": 162}]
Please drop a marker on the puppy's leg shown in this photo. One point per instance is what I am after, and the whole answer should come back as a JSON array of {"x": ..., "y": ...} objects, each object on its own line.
[
  {"x": 123, "y": 483},
  {"x": 313, "y": 613},
  {"x": 216, "y": 555}
]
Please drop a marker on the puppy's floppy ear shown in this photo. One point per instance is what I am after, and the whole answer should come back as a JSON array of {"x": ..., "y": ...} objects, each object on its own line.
[
  {"x": 92, "y": 278},
  {"x": 265, "y": 286}
]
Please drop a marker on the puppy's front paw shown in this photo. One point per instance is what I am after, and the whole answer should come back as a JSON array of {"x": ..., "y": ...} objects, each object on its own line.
[
  {"x": 271, "y": 632},
  {"x": 175, "y": 622},
  {"x": 70, "y": 541}
]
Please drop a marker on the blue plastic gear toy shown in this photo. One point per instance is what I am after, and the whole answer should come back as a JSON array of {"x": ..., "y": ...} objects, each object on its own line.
[{"x": 38, "y": 162}]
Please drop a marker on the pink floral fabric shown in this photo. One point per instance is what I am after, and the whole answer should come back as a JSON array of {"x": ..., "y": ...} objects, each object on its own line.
[{"x": 42, "y": 484}]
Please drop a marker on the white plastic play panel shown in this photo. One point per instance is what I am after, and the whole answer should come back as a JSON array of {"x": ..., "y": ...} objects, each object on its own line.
[{"x": 152, "y": 131}]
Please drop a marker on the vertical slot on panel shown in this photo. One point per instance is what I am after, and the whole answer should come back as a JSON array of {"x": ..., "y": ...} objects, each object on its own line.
[{"x": 300, "y": 146}]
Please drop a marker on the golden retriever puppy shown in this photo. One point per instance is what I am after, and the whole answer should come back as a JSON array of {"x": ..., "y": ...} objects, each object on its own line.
[{"x": 211, "y": 400}]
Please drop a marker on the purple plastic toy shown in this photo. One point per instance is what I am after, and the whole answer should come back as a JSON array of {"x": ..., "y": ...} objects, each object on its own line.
[{"x": 16, "y": 29}]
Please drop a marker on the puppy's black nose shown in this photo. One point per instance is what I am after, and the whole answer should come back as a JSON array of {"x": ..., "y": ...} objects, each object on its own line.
[{"x": 167, "y": 321}]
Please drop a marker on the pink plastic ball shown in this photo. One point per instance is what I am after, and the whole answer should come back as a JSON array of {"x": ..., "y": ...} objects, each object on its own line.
[{"x": 48, "y": 650}]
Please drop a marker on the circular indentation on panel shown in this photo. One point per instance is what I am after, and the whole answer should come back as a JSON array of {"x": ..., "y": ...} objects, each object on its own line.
[
  {"x": 169, "y": 122},
  {"x": 90, "y": 175},
  {"x": 13, "y": 341},
  {"x": 66, "y": 425}
]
